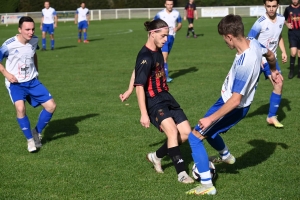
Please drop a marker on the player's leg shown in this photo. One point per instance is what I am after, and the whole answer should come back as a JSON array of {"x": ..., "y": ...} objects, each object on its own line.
[
  {"x": 189, "y": 28},
  {"x": 44, "y": 32},
  {"x": 79, "y": 31},
  {"x": 275, "y": 97},
  {"x": 18, "y": 96},
  {"x": 51, "y": 33},
  {"x": 39, "y": 95},
  {"x": 298, "y": 52},
  {"x": 166, "y": 49},
  {"x": 293, "y": 50},
  {"x": 85, "y": 27}
]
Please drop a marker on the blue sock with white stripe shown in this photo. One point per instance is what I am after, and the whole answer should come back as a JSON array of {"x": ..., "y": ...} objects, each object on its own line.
[
  {"x": 25, "y": 126},
  {"x": 166, "y": 68},
  {"x": 200, "y": 158},
  {"x": 44, "y": 119},
  {"x": 79, "y": 35},
  {"x": 218, "y": 144},
  {"x": 52, "y": 43},
  {"x": 44, "y": 43},
  {"x": 275, "y": 100},
  {"x": 85, "y": 35}
]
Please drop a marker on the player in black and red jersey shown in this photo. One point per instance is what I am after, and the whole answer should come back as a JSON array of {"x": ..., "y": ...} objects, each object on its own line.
[
  {"x": 292, "y": 21},
  {"x": 156, "y": 104},
  {"x": 190, "y": 14}
]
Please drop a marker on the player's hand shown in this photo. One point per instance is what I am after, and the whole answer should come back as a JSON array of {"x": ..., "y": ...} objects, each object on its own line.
[
  {"x": 41, "y": 27},
  {"x": 88, "y": 22},
  {"x": 204, "y": 123},
  {"x": 75, "y": 22},
  {"x": 184, "y": 18},
  {"x": 55, "y": 25},
  {"x": 284, "y": 57},
  {"x": 11, "y": 78},
  {"x": 290, "y": 26},
  {"x": 125, "y": 96},
  {"x": 145, "y": 121},
  {"x": 276, "y": 77}
]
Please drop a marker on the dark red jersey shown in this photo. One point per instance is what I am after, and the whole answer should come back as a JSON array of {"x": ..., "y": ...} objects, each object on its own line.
[
  {"x": 292, "y": 15},
  {"x": 190, "y": 8},
  {"x": 149, "y": 72}
]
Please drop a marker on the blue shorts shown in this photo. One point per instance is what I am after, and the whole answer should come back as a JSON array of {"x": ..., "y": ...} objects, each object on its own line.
[
  {"x": 48, "y": 28},
  {"x": 82, "y": 25},
  {"x": 266, "y": 70},
  {"x": 32, "y": 91},
  {"x": 223, "y": 124},
  {"x": 168, "y": 45}
]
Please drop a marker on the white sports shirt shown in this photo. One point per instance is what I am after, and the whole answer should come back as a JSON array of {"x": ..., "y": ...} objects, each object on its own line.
[
  {"x": 170, "y": 18},
  {"x": 268, "y": 32},
  {"x": 48, "y": 15},
  {"x": 19, "y": 58},
  {"x": 244, "y": 73},
  {"x": 82, "y": 14}
]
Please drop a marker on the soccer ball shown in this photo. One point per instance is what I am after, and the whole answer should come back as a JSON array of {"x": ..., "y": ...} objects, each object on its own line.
[{"x": 196, "y": 174}]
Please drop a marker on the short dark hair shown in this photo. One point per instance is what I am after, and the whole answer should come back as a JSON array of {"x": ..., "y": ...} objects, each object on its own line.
[
  {"x": 155, "y": 24},
  {"x": 271, "y": 1},
  {"x": 231, "y": 24},
  {"x": 25, "y": 19}
]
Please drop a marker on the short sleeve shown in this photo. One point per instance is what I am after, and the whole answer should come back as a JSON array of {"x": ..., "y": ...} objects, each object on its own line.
[
  {"x": 3, "y": 52},
  {"x": 142, "y": 69}
]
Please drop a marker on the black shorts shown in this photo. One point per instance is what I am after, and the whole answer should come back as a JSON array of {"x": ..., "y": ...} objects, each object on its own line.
[
  {"x": 294, "y": 39},
  {"x": 162, "y": 107},
  {"x": 190, "y": 20}
]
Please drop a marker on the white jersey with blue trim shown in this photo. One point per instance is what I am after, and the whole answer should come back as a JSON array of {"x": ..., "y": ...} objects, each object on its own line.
[
  {"x": 171, "y": 19},
  {"x": 268, "y": 32},
  {"x": 48, "y": 15},
  {"x": 244, "y": 73},
  {"x": 82, "y": 14},
  {"x": 19, "y": 58}
]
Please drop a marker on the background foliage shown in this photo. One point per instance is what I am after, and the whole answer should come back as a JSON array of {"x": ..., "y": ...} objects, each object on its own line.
[{"x": 37, "y": 5}]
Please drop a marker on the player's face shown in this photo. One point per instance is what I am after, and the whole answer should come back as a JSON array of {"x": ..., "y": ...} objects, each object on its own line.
[
  {"x": 228, "y": 41},
  {"x": 83, "y": 5},
  {"x": 160, "y": 37},
  {"x": 27, "y": 30},
  {"x": 271, "y": 8},
  {"x": 169, "y": 5},
  {"x": 295, "y": 2},
  {"x": 47, "y": 5}
]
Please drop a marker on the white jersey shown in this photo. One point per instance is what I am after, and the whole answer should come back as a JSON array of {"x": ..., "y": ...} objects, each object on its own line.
[
  {"x": 48, "y": 15},
  {"x": 244, "y": 73},
  {"x": 19, "y": 58},
  {"x": 170, "y": 18},
  {"x": 82, "y": 14},
  {"x": 268, "y": 32}
]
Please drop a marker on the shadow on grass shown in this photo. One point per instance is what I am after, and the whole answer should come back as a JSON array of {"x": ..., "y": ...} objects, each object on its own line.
[
  {"x": 95, "y": 39},
  {"x": 64, "y": 47},
  {"x": 264, "y": 109},
  {"x": 261, "y": 151},
  {"x": 63, "y": 127},
  {"x": 177, "y": 73}
]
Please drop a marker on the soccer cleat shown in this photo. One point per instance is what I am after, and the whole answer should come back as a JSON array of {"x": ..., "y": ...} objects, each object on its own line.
[
  {"x": 151, "y": 157},
  {"x": 202, "y": 190},
  {"x": 217, "y": 159},
  {"x": 52, "y": 48},
  {"x": 273, "y": 121},
  {"x": 183, "y": 177},
  {"x": 79, "y": 40},
  {"x": 187, "y": 36},
  {"x": 195, "y": 36},
  {"x": 291, "y": 74},
  {"x": 37, "y": 138},
  {"x": 169, "y": 79},
  {"x": 86, "y": 41},
  {"x": 31, "y": 146}
]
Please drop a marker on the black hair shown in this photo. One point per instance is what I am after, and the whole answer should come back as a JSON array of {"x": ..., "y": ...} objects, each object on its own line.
[
  {"x": 271, "y": 1},
  {"x": 231, "y": 24},
  {"x": 25, "y": 19},
  {"x": 155, "y": 24}
]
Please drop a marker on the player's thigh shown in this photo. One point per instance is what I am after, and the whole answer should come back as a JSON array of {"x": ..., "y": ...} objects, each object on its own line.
[
  {"x": 184, "y": 129},
  {"x": 16, "y": 92},
  {"x": 38, "y": 94},
  {"x": 159, "y": 113}
]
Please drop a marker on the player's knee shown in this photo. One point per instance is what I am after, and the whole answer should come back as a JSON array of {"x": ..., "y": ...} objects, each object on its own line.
[
  {"x": 50, "y": 106},
  {"x": 21, "y": 111}
]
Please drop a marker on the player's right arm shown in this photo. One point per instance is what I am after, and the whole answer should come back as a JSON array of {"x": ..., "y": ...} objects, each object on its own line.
[
  {"x": 76, "y": 17},
  {"x": 275, "y": 75},
  {"x": 128, "y": 92},
  {"x": 42, "y": 21},
  {"x": 4, "y": 54},
  {"x": 286, "y": 14},
  {"x": 140, "y": 93}
]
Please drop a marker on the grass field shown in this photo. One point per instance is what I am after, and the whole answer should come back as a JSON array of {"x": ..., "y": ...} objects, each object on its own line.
[{"x": 95, "y": 147}]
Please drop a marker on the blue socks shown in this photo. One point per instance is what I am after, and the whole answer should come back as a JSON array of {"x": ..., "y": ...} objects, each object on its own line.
[
  {"x": 52, "y": 43},
  {"x": 85, "y": 35},
  {"x": 274, "y": 104},
  {"x": 166, "y": 68},
  {"x": 44, "y": 43},
  {"x": 25, "y": 127},
  {"x": 44, "y": 119},
  {"x": 79, "y": 35},
  {"x": 200, "y": 158},
  {"x": 217, "y": 143}
]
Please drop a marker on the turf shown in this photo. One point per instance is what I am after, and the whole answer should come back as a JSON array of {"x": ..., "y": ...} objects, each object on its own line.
[{"x": 95, "y": 147}]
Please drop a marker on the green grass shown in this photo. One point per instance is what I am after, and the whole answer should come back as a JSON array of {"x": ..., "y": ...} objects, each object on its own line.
[{"x": 94, "y": 147}]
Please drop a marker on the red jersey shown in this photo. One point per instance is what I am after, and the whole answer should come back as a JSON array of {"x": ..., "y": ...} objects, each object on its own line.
[{"x": 190, "y": 10}]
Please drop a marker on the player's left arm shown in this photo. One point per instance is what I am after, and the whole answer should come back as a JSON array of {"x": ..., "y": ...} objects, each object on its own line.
[
  {"x": 275, "y": 75},
  {"x": 35, "y": 60},
  {"x": 179, "y": 24},
  {"x": 55, "y": 19},
  {"x": 88, "y": 17},
  {"x": 231, "y": 104},
  {"x": 195, "y": 12},
  {"x": 282, "y": 48}
]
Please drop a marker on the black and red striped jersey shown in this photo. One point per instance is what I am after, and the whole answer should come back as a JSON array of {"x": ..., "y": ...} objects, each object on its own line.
[
  {"x": 149, "y": 72},
  {"x": 292, "y": 15}
]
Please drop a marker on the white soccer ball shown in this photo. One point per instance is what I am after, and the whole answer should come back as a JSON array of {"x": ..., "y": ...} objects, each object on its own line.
[{"x": 196, "y": 173}]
